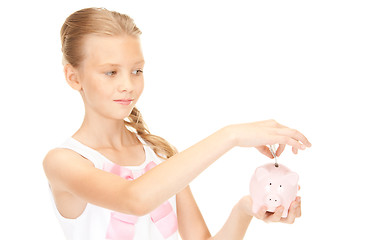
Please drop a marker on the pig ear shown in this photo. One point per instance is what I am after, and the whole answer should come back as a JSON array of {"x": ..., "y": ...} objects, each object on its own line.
[
  {"x": 292, "y": 177},
  {"x": 261, "y": 173}
]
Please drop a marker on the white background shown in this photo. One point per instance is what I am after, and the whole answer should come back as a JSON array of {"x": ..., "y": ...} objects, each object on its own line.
[{"x": 208, "y": 64}]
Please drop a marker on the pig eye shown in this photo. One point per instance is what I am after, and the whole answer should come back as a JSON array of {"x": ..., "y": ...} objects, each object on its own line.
[
  {"x": 270, "y": 183},
  {"x": 280, "y": 186}
]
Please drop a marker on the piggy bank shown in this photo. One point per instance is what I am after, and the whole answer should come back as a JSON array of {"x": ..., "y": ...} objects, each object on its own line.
[{"x": 273, "y": 186}]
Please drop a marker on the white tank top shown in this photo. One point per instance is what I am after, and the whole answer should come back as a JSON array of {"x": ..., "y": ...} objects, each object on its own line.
[{"x": 96, "y": 223}]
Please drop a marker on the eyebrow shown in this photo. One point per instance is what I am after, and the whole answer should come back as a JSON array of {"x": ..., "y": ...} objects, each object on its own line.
[
  {"x": 140, "y": 61},
  {"x": 118, "y": 65}
]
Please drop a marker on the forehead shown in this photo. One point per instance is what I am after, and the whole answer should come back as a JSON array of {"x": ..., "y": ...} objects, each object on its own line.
[{"x": 123, "y": 50}]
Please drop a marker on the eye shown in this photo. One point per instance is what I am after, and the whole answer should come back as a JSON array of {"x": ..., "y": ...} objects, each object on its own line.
[
  {"x": 110, "y": 73},
  {"x": 137, "y": 72},
  {"x": 280, "y": 186},
  {"x": 270, "y": 183}
]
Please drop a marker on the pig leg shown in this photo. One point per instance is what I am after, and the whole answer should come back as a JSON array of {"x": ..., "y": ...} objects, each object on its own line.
[
  {"x": 285, "y": 212},
  {"x": 286, "y": 209}
]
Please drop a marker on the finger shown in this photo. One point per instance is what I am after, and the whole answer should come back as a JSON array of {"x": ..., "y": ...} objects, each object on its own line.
[
  {"x": 295, "y": 150},
  {"x": 292, "y": 213},
  {"x": 289, "y": 141},
  {"x": 294, "y": 210},
  {"x": 300, "y": 136},
  {"x": 299, "y": 209},
  {"x": 295, "y": 134},
  {"x": 276, "y": 217},
  {"x": 280, "y": 149},
  {"x": 299, "y": 212},
  {"x": 261, "y": 214}
]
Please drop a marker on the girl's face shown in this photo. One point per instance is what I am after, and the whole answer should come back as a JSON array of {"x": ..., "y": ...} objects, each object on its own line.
[{"x": 111, "y": 75}]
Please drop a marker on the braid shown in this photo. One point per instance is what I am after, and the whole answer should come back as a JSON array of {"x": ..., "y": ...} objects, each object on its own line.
[
  {"x": 160, "y": 146},
  {"x": 103, "y": 22}
]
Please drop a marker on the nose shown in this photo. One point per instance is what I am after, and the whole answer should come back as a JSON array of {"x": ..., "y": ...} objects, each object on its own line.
[
  {"x": 125, "y": 84},
  {"x": 272, "y": 200}
]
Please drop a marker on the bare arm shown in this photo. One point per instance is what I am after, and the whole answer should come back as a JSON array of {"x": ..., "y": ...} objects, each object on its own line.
[
  {"x": 235, "y": 226},
  {"x": 173, "y": 175},
  {"x": 144, "y": 194},
  {"x": 69, "y": 172},
  {"x": 193, "y": 227}
]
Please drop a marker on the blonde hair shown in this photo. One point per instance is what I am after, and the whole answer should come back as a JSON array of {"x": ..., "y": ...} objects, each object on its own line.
[{"x": 100, "y": 21}]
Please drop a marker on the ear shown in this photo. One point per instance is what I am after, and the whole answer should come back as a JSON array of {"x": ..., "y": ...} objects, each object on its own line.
[
  {"x": 261, "y": 173},
  {"x": 292, "y": 177},
  {"x": 72, "y": 77}
]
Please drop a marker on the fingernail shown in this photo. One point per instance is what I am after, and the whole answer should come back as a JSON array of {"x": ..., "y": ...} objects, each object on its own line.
[{"x": 303, "y": 147}]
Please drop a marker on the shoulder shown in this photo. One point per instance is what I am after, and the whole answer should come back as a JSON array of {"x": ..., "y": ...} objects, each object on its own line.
[
  {"x": 63, "y": 156},
  {"x": 59, "y": 161}
]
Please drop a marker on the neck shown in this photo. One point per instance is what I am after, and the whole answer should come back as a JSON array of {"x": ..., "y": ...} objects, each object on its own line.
[{"x": 101, "y": 132}]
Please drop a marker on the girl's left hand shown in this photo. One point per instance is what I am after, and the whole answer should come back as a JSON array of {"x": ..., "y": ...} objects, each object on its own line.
[{"x": 294, "y": 211}]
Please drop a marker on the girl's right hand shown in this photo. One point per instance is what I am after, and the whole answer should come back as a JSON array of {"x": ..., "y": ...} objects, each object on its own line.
[{"x": 269, "y": 132}]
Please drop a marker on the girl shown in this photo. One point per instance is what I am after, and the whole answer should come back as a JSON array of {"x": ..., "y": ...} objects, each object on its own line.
[{"x": 113, "y": 179}]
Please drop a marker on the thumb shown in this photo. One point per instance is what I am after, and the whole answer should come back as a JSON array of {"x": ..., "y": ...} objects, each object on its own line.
[{"x": 265, "y": 151}]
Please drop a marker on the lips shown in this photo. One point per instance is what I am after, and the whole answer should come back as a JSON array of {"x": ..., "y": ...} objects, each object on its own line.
[{"x": 127, "y": 101}]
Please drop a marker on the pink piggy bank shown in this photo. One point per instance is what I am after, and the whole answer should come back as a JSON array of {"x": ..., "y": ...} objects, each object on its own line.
[{"x": 273, "y": 186}]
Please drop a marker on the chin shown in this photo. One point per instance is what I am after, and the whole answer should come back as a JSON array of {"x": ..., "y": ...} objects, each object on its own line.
[{"x": 122, "y": 115}]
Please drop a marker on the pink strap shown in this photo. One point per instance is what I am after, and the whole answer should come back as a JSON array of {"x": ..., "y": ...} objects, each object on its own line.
[
  {"x": 121, "y": 225},
  {"x": 118, "y": 170},
  {"x": 165, "y": 219},
  {"x": 163, "y": 216}
]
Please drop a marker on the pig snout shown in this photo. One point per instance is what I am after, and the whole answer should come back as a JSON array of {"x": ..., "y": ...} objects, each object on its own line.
[{"x": 273, "y": 201}]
